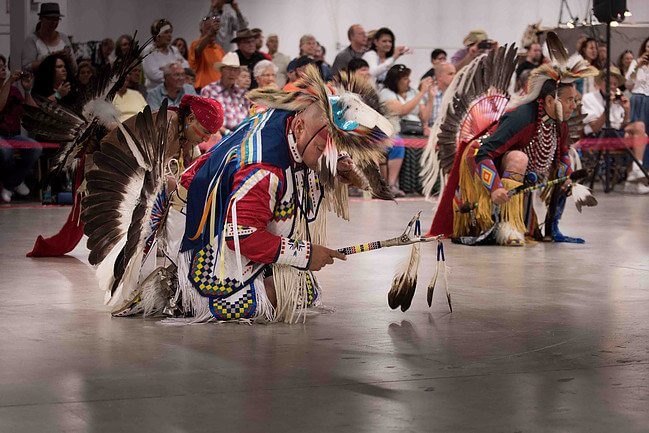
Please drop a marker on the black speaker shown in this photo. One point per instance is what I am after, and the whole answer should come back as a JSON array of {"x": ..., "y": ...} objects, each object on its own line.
[{"x": 609, "y": 10}]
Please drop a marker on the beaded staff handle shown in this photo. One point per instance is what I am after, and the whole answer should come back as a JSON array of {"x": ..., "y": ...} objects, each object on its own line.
[
  {"x": 407, "y": 238},
  {"x": 574, "y": 176}
]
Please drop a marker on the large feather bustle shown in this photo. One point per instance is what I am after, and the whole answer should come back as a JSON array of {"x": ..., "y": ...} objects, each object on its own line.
[
  {"x": 486, "y": 78},
  {"x": 404, "y": 282},
  {"x": 121, "y": 195}
]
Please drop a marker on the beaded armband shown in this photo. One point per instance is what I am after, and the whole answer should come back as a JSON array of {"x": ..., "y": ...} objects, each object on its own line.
[{"x": 294, "y": 253}]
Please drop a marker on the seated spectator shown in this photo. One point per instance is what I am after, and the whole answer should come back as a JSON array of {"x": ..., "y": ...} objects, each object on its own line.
[
  {"x": 602, "y": 55},
  {"x": 319, "y": 57},
  {"x": 160, "y": 54},
  {"x": 204, "y": 52},
  {"x": 232, "y": 20},
  {"x": 295, "y": 70},
  {"x": 12, "y": 98},
  {"x": 181, "y": 44},
  {"x": 593, "y": 106},
  {"x": 437, "y": 56},
  {"x": 360, "y": 68},
  {"x": 474, "y": 45},
  {"x": 309, "y": 47},
  {"x": 123, "y": 46},
  {"x": 247, "y": 51},
  {"x": 85, "y": 75},
  {"x": 173, "y": 88},
  {"x": 444, "y": 73},
  {"x": 265, "y": 73},
  {"x": 55, "y": 81},
  {"x": 134, "y": 81},
  {"x": 404, "y": 105},
  {"x": 128, "y": 102},
  {"x": 639, "y": 77},
  {"x": 46, "y": 40},
  {"x": 357, "y": 47},
  {"x": 382, "y": 54},
  {"x": 102, "y": 54},
  {"x": 244, "y": 80},
  {"x": 259, "y": 42},
  {"x": 232, "y": 98},
  {"x": 625, "y": 62},
  {"x": 532, "y": 60},
  {"x": 280, "y": 60}
]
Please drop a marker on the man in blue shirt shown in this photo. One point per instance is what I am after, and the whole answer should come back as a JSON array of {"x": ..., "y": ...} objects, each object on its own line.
[{"x": 173, "y": 87}]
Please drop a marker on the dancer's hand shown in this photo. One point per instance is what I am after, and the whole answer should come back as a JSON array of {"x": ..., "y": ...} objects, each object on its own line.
[
  {"x": 499, "y": 196},
  {"x": 567, "y": 184},
  {"x": 322, "y": 256}
]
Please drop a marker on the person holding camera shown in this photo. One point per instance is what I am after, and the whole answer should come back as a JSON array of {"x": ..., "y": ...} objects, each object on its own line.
[
  {"x": 383, "y": 53},
  {"x": 231, "y": 19},
  {"x": 205, "y": 52},
  {"x": 593, "y": 106},
  {"x": 475, "y": 43},
  {"x": 12, "y": 170},
  {"x": 639, "y": 78}
]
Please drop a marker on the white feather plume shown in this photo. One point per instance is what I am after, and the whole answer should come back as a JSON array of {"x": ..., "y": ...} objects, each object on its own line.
[{"x": 582, "y": 196}]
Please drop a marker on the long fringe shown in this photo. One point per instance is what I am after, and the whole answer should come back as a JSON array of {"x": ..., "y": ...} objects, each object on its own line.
[
  {"x": 512, "y": 211},
  {"x": 191, "y": 300},
  {"x": 473, "y": 192}
]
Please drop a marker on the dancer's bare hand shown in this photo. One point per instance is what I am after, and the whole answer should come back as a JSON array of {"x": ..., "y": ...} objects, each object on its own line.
[
  {"x": 499, "y": 196},
  {"x": 322, "y": 256}
]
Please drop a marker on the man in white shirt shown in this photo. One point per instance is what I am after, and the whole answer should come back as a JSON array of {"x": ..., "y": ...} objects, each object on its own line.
[{"x": 593, "y": 106}]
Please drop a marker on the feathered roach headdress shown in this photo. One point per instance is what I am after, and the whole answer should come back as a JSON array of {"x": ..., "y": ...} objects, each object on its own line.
[
  {"x": 351, "y": 107},
  {"x": 560, "y": 70}
]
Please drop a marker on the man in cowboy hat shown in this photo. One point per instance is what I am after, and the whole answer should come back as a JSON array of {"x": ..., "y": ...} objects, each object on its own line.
[
  {"x": 593, "y": 106},
  {"x": 46, "y": 40},
  {"x": 247, "y": 51},
  {"x": 226, "y": 91}
]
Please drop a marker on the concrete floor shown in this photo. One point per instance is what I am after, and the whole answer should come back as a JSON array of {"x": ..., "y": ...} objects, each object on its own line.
[{"x": 547, "y": 338}]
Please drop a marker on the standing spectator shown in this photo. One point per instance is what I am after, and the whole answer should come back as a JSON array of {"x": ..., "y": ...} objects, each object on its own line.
[
  {"x": 382, "y": 54},
  {"x": 173, "y": 87},
  {"x": 247, "y": 51},
  {"x": 259, "y": 42},
  {"x": 626, "y": 63},
  {"x": 85, "y": 75},
  {"x": 280, "y": 60},
  {"x": 265, "y": 73},
  {"x": 244, "y": 80},
  {"x": 602, "y": 55},
  {"x": 640, "y": 96},
  {"x": 204, "y": 52},
  {"x": 161, "y": 54},
  {"x": 532, "y": 59},
  {"x": 232, "y": 20},
  {"x": 404, "y": 104},
  {"x": 309, "y": 47},
  {"x": 134, "y": 81},
  {"x": 12, "y": 172},
  {"x": 357, "y": 44},
  {"x": 46, "y": 40},
  {"x": 55, "y": 81},
  {"x": 587, "y": 51},
  {"x": 226, "y": 91},
  {"x": 444, "y": 73},
  {"x": 123, "y": 46},
  {"x": 128, "y": 102},
  {"x": 102, "y": 54},
  {"x": 181, "y": 44},
  {"x": 437, "y": 56},
  {"x": 471, "y": 48}
]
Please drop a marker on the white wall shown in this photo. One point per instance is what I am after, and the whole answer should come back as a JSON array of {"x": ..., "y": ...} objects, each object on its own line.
[{"x": 420, "y": 24}]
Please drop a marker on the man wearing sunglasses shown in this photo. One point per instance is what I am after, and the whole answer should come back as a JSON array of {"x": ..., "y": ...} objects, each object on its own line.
[{"x": 232, "y": 20}]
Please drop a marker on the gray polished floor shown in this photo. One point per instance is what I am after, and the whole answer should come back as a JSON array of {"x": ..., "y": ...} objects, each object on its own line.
[{"x": 546, "y": 338}]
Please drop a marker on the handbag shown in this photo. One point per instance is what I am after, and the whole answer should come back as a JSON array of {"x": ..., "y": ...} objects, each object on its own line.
[{"x": 411, "y": 127}]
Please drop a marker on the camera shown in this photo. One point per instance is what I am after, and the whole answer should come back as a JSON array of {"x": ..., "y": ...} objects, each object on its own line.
[{"x": 618, "y": 94}]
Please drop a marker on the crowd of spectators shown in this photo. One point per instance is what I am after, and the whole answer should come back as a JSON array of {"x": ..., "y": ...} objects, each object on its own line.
[{"x": 228, "y": 58}]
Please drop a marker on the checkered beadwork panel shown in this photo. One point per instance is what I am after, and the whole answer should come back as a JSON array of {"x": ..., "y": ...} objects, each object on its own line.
[
  {"x": 204, "y": 279},
  {"x": 311, "y": 291},
  {"x": 242, "y": 308},
  {"x": 284, "y": 210}
]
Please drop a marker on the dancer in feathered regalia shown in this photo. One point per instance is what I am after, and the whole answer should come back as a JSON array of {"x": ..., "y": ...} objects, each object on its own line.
[
  {"x": 254, "y": 231},
  {"x": 497, "y": 152}
]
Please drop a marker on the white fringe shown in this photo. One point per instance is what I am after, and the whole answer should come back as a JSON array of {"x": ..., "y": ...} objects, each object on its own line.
[{"x": 188, "y": 295}]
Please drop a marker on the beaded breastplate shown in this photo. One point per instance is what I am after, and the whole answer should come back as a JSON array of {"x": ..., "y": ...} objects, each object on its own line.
[{"x": 543, "y": 146}]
